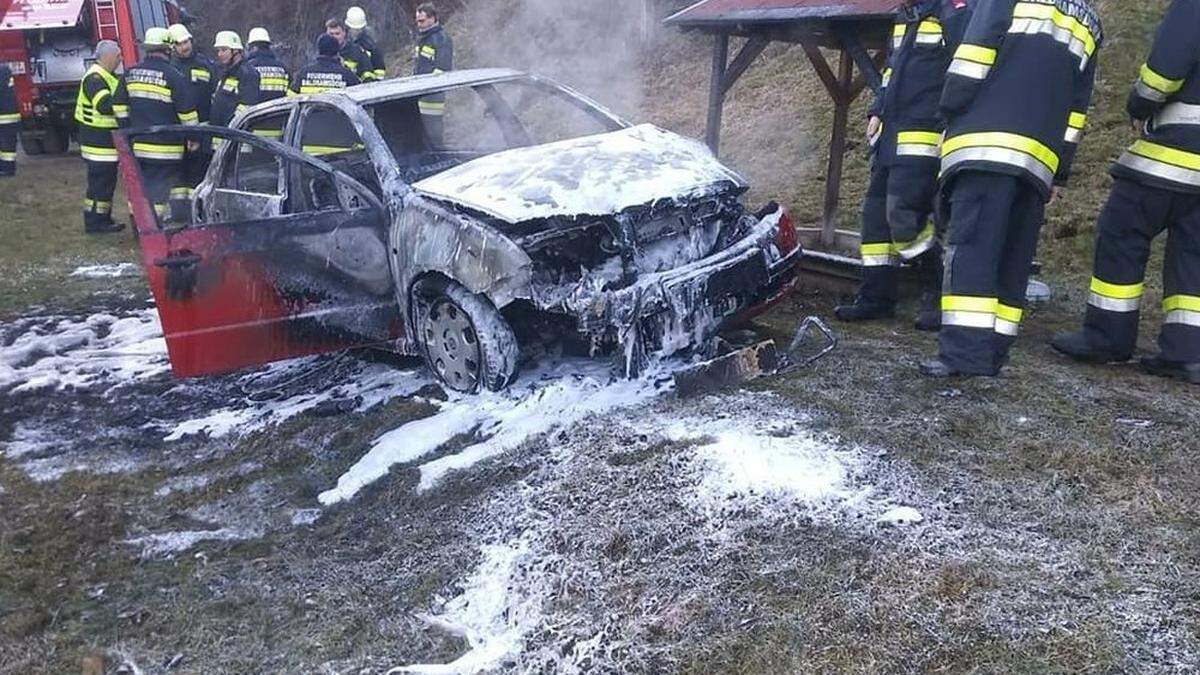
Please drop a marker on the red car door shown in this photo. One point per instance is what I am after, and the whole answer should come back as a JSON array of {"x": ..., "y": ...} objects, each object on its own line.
[{"x": 283, "y": 256}]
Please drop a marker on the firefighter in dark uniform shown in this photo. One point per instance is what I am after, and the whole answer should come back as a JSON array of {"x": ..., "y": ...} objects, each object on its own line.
[
  {"x": 1156, "y": 187},
  {"x": 905, "y": 131},
  {"x": 200, "y": 73},
  {"x": 97, "y": 115},
  {"x": 273, "y": 78},
  {"x": 353, "y": 57},
  {"x": 156, "y": 93},
  {"x": 329, "y": 136},
  {"x": 434, "y": 54},
  {"x": 356, "y": 23},
  {"x": 235, "y": 77},
  {"x": 1016, "y": 98},
  {"x": 10, "y": 122}
]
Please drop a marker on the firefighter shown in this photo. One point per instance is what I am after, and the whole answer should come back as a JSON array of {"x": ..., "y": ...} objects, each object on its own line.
[
  {"x": 236, "y": 77},
  {"x": 200, "y": 73},
  {"x": 1016, "y": 99},
  {"x": 10, "y": 122},
  {"x": 272, "y": 78},
  {"x": 905, "y": 133},
  {"x": 353, "y": 57},
  {"x": 324, "y": 133},
  {"x": 1156, "y": 187},
  {"x": 356, "y": 22},
  {"x": 96, "y": 116},
  {"x": 156, "y": 93},
  {"x": 434, "y": 54}
]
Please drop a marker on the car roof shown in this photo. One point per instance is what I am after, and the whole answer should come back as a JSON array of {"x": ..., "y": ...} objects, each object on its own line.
[{"x": 419, "y": 85}]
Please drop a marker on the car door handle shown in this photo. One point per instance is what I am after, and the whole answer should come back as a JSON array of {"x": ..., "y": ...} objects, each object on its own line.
[{"x": 178, "y": 261}]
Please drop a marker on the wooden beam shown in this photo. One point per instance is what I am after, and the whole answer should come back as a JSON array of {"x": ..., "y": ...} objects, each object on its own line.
[
  {"x": 716, "y": 91},
  {"x": 750, "y": 51},
  {"x": 837, "y": 149},
  {"x": 852, "y": 46},
  {"x": 822, "y": 67}
]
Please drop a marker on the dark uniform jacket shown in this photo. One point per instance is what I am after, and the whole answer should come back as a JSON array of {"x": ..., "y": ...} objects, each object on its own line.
[
  {"x": 9, "y": 114},
  {"x": 1018, "y": 89},
  {"x": 323, "y": 74},
  {"x": 155, "y": 93},
  {"x": 233, "y": 84},
  {"x": 923, "y": 41},
  {"x": 1166, "y": 97},
  {"x": 377, "y": 69},
  {"x": 272, "y": 76},
  {"x": 201, "y": 74},
  {"x": 356, "y": 60},
  {"x": 96, "y": 115},
  {"x": 434, "y": 54}
]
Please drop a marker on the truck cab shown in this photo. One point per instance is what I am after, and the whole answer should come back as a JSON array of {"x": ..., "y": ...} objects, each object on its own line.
[{"x": 49, "y": 44}]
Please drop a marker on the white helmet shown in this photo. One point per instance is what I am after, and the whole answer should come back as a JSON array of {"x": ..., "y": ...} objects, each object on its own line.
[
  {"x": 258, "y": 35},
  {"x": 229, "y": 40},
  {"x": 356, "y": 18},
  {"x": 156, "y": 36},
  {"x": 179, "y": 33}
]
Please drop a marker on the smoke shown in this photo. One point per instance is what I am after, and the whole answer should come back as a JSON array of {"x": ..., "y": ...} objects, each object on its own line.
[{"x": 594, "y": 46}]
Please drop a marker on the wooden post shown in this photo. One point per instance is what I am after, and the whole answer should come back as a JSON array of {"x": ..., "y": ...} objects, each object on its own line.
[
  {"x": 716, "y": 91},
  {"x": 837, "y": 149}
]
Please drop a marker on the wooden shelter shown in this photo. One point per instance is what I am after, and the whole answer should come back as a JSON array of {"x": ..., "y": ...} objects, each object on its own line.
[{"x": 856, "y": 30}]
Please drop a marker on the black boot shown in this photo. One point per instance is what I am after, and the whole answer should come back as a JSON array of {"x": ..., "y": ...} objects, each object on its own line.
[
  {"x": 103, "y": 228},
  {"x": 864, "y": 310},
  {"x": 929, "y": 313},
  {"x": 1077, "y": 346},
  {"x": 1157, "y": 365}
]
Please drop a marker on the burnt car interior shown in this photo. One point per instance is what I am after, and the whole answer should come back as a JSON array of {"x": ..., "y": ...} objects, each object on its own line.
[{"x": 480, "y": 121}]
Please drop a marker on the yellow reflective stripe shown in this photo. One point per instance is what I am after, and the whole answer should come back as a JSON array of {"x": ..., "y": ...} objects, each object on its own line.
[
  {"x": 97, "y": 150},
  {"x": 431, "y": 107},
  {"x": 269, "y": 133},
  {"x": 326, "y": 149},
  {"x": 10, "y": 118},
  {"x": 930, "y": 25},
  {"x": 886, "y": 248},
  {"x": 1166, "y": 155},
  {"x": 1187, "y": 303},
  {"x": 919, "y": 137},
  {"x": 1030, "y": 10},
  {"x": 6, "y": 156},
  {"x": 984, "y": 55},
  {"x": 181, "y": 193},
  {"x": 149, "y": 88},
  {"x": 200, "y": 75},
  {"x": 1009, "y": 313},
  {"x": 1117, "y": 291},
  {"x": 273, "y": 82},
  {"x": 1077, "y": 120},
  {"x": 1159, "y": 82},
  {"x": 380, "y": 73},
  {"x": 189, "y": 117},
  {"x": 899, "y": 30},
  {"x": 968, "y": 303},
  {"x": 1001, "y": 139},
  {"x": 315, "y": 89},
  {"x": 100, "y": 96},
  {"x": 428, "y": 51}
]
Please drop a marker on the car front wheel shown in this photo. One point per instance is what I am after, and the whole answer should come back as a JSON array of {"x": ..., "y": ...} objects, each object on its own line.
[{"x": 466, "y": 342}]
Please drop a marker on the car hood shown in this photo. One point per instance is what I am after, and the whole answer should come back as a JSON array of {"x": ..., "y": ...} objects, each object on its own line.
[{"x": 589, "y": 176}]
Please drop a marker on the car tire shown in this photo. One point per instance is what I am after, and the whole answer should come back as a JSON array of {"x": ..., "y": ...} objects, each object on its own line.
[{"x": 465, "y": 341}]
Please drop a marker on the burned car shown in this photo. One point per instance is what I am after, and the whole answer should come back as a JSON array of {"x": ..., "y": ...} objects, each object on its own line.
[{"x": 523, "y": 206}]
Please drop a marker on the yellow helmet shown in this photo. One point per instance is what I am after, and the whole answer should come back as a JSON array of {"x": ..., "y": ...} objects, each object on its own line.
[
  {"x": 356, "y": 18},
  {"x": 258, "y": 35},
  {"x": 157, "y": 36},
  {"x": 228, "y": 40},
  {"x": 179, "y": 33}
]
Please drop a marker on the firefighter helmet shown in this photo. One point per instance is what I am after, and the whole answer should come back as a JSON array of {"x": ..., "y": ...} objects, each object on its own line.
[
  {"x": 356, "y": 18},
  {"x": 157, "y": 36},
  {"x": 229, "y": 40},
  {"x": 258, "y": 35},
  {"x": 179, "y": 33}
]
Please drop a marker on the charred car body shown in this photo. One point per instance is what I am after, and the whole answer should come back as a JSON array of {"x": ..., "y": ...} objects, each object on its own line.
[{"x": 366, "y": 225}]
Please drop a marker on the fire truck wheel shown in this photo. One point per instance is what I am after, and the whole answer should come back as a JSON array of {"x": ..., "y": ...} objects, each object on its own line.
[
  {"x": 56, "y": 141},
  {"x": 31, "y": 144}
]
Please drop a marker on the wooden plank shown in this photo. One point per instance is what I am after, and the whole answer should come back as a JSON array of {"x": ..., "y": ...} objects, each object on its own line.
[
  {"x": 822, "y": 67},
  {"x": 716, "y": 91},
  {"x": 729, "y": 370},
  {"x": 837, "y": 149},
  {"x": 750, "y": 51}
]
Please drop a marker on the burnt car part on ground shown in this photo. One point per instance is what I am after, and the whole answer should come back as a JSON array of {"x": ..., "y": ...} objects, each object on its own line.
[{"x": 348, "y": 219}]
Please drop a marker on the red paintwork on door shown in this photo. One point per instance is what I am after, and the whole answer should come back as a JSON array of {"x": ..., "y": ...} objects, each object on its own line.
[{"x": 233, "y": 317}]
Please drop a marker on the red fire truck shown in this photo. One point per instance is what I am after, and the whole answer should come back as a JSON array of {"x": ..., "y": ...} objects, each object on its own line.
[{"x": 49, "y": 46}]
